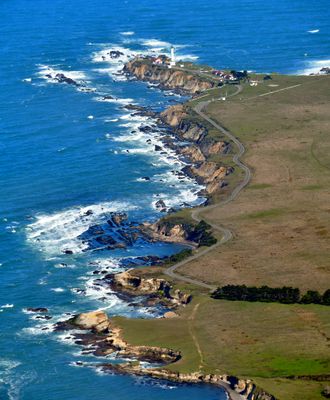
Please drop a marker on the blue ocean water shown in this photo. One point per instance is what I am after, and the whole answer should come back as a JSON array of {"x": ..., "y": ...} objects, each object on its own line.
[{"x": 64, "y": 151}]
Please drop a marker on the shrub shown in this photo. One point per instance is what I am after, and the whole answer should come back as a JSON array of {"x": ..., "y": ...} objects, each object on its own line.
[
  {"x": 201, "y": 235},
  {"x": 179, "y": 256}
]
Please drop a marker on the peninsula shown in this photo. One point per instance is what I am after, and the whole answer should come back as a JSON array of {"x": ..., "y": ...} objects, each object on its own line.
[{"x": 260, "y": 145}]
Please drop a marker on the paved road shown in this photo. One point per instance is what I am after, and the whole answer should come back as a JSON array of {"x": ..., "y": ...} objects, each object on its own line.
[{"x": 226, "y": 233}]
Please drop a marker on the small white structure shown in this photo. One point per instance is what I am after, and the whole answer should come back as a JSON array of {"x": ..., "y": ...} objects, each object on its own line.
[{"x": 172, "y": 63}]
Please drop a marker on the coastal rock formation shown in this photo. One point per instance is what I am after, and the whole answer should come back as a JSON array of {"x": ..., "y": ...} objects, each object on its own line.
[
  {"x": 185, "y": 125},
  {"x": 172, "y": 230},
  {"x": 180, "y": 80},
  {"x": 140, "y": 110},
  {"x": 96, "y": 321},
  {"x": 104, "y": 339},
  {"x": 193, "y": 152},
  {"x": 211, "y": 146},
  {"x": 116, "y": 233},
  {"x": 61, "y": 78},
  {"x": 209, "y": 173},
  {"x": 174, "y": 115},
  {"x": 234, "y": 386},
  {"x": 178, "y": 118},
  {"x": 133, "y": 284},
  {"x": 37, "y": 309}
]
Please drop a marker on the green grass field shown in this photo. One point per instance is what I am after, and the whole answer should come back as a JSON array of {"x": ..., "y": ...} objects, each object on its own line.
[
  {"x": 264, "y": 342},
  {"x": 281, "y": 229}
]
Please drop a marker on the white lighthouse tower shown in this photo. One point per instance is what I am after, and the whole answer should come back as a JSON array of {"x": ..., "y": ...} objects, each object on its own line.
[{"x": 172, "y": 62}]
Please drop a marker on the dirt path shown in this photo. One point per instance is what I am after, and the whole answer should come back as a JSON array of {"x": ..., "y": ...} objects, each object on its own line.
[
  {"x": 191, "y": 319},
  {"x": 273, "y": 91},
  {"x": 226, "y": 233}
]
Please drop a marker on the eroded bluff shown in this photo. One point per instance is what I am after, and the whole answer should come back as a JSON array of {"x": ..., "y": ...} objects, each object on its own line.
[
  {"x": 180, "y": 80},
  {"x": 200, "y": 146}
]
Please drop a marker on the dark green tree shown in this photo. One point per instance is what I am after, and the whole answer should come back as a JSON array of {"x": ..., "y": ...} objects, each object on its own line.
[
  {"x": 326, "y": 298},
  {"x": 311, "y": 297}
]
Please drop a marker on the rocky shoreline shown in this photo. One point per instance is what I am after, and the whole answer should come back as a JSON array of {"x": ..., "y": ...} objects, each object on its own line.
[
  {"x": 191, "y": 140},
  {"x": 102, "y": 337},
  {"x": 144, "y": 69}
]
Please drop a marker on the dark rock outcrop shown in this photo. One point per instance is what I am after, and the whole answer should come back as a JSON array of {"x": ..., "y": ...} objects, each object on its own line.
[{"x": 37, "y": 309}]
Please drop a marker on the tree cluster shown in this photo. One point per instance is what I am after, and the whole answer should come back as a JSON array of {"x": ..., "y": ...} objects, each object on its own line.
[{"x": 284, "y": 295}]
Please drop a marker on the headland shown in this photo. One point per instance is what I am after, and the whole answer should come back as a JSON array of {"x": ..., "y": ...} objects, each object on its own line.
[{"x": 275, "y": 234}]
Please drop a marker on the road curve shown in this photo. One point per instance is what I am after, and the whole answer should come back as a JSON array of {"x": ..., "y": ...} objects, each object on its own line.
[{"x": 226, "y": 233}]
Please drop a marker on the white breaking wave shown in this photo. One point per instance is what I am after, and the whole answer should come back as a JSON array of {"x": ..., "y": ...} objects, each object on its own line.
[
  {"x": 159, "y": 46},
  {"x": 100, "y": 291},
  {"x": 114, "y": 100},
  {"x": 57, "y": 290},
  {"x": 48, "y": 73},
  {"x": 156, "y": 43},
  {"x": 107, "y": 264},
  {"x": 40, "y": 329},
  {"x": 314, "y": 31},
  {"x": 115, "y": 64},
  {"x": 14, "y": 380},
  {"x": 7, "y": 306},
  {"x": 128, "y": 33},
  {"x": 314, "y": 67},
  {"x": 57, "y": 232}
]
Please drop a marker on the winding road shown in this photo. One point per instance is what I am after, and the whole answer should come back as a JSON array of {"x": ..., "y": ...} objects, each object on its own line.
[{"x": 226, "y": 233}]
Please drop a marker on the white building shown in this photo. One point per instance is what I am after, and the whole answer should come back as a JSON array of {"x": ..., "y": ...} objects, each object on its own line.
[{"x": 172, "y": 63}]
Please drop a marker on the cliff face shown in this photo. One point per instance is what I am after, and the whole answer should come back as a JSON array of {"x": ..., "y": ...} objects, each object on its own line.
[
  {"x": 177, "y": 117},
  {"x": 180, "y": 80},
  {"x": 127, "y": 282},
  {"x": 172, "y": 230},
  {"x": 186, "y": 128},
  {"x": 211, "y": 174}
]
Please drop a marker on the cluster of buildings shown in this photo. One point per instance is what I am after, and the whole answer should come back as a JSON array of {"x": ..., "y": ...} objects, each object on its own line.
[
  {"x": 231, "y": 77},
  {"x": 164, "y": 60},
  {"x": 224, "y": 76}
]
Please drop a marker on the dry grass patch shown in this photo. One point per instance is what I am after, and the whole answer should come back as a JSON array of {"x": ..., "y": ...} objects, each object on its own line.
[{"x": 282, "y": 222}]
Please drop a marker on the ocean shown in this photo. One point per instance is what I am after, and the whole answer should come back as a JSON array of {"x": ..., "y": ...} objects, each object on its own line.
[{"x": 70, "y": 155}]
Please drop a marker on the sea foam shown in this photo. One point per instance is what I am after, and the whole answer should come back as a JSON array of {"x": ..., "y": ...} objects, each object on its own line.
[{"x": 54, "y": 233}]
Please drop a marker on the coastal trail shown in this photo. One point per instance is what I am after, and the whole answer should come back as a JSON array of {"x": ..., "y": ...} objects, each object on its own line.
[
  {"x": 226, "y": 233},
  {"x": 191, "y": 319}
]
